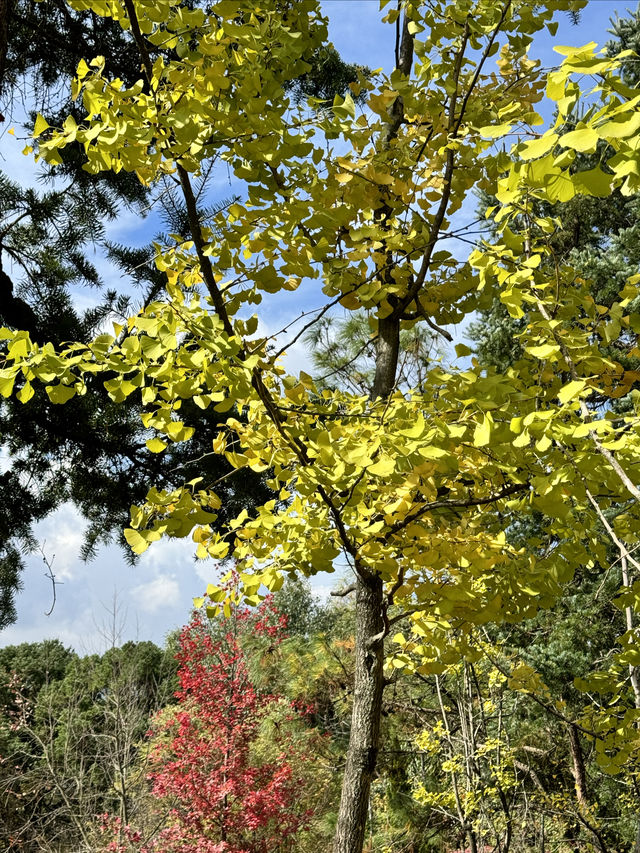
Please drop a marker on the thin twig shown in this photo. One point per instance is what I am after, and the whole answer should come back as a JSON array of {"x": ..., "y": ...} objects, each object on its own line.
[{"x": 51, "y": 576}]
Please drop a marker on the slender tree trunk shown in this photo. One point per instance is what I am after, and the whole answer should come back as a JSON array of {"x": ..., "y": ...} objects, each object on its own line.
[
  {"x": 364, "y": 738},
  {"x": 633, "y": 671},
  {"x": 579, "y": 771},
  {"x": 580, "y": 776},
  {"x": 365, "y": 719}
]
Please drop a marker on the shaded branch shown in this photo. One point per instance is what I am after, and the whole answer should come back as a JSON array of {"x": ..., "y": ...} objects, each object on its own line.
[
  {"x": 341, "y": 593},
  {"x": 513, "y": 489}
]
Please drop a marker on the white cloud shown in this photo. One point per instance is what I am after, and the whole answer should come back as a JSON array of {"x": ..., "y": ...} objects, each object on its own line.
[
  {"x": 178, "y": 555},
  {"x": 19, "y": 633},
  {"x": 207, "y": 570},
  {"x": 168, "y": 555},
  {"x": 160, "y": 592}
]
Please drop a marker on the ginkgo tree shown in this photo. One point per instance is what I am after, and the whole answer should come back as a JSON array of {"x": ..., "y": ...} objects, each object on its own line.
[{"x": 415, "y": 488}]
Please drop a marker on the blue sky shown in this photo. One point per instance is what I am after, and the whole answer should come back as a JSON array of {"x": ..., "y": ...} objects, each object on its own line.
[{"x": 154, "y": 597}]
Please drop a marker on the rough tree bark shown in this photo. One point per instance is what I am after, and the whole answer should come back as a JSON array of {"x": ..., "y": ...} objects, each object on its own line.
[{"x": 364, "y": 738}]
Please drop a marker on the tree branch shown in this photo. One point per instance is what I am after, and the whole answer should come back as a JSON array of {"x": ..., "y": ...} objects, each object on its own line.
[
  {"x": 513, "y": 489},
  {"x": 341, "y": 593},
  {"x": 139, "y": 39}
]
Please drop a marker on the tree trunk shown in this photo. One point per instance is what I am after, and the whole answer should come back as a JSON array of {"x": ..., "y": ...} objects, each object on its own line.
[
  {"x": 580, "y": 776},
  {"x": 388, "y": 346},
  {"x": 364, "y": 737},
  {"x": 579, "y": 772},
  {"x": 365, "y": 718}
]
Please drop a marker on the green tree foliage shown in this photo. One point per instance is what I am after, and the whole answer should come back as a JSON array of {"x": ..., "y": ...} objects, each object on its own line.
[
  {"x": 417, "y": 488},
  {"x": 304, "y": 613},
  {"x": 479, "y": 728},
  {"x": 70, "y": 736},
  {"x": 597, "y": 235},
  {"x": 328, "y": 76},
  {"x": 95, "y": 453},
  {"x": 626, "y": 32}
]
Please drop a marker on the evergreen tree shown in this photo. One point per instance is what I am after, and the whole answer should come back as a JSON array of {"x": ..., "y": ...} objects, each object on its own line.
[{"x": 71, "y": 731}]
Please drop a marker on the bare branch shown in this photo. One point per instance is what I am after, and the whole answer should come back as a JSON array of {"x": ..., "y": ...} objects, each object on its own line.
[
  {"x": 341, "y": 593},
  {"x": 51, "y": 576}
]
